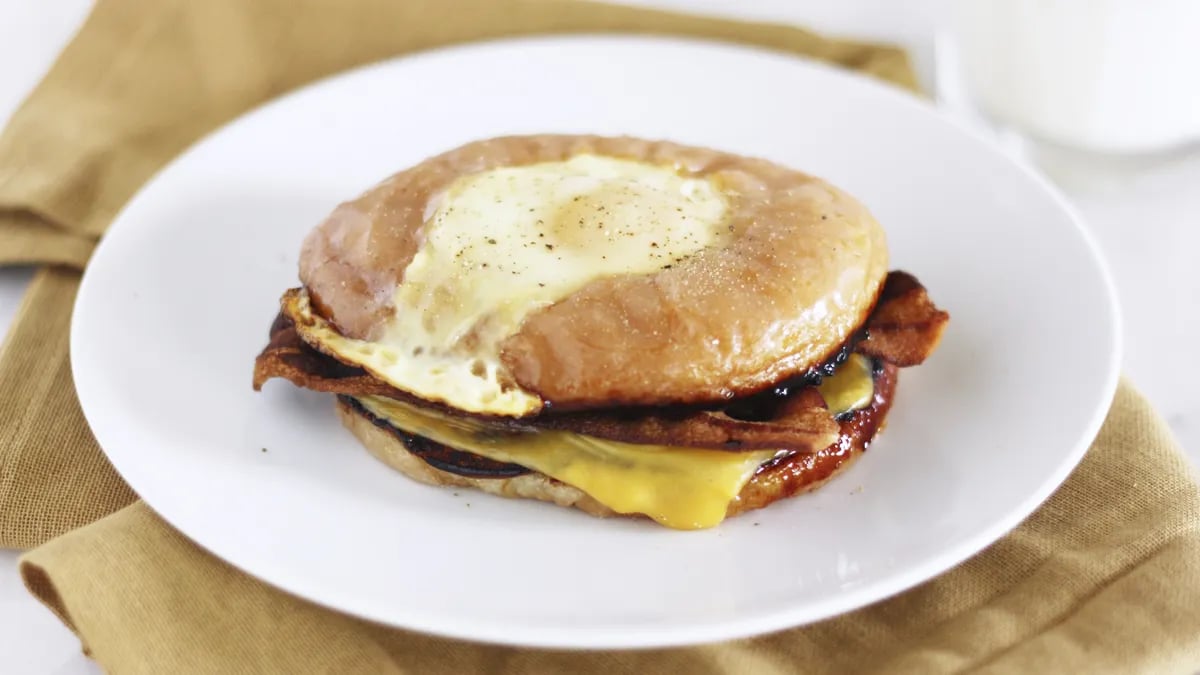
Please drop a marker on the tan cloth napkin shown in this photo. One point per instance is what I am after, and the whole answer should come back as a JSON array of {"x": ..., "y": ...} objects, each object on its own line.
[
  {"x": 1104, "y": 577},
  {"x": 140, "y": 82}
]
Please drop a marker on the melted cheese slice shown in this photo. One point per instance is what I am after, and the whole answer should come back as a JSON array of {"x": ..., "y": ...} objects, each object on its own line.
[
  {"x": 851, "y": 387},
  {"x": 502, "y": 243},
  {"x": 682, "y": 488}
]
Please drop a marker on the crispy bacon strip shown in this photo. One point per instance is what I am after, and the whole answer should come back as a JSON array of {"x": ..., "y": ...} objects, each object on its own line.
[
  {"x": 289, "y": 357},
  {"x": 905, "y": 326},
  {"x": 800, "y": 423}
]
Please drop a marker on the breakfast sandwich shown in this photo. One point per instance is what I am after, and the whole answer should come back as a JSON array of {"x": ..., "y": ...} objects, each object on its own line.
[{"x": 616, "y": 325}]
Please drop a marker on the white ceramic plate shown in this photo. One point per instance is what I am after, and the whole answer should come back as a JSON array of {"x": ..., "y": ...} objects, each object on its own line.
[{"x": 180, "y": 294}]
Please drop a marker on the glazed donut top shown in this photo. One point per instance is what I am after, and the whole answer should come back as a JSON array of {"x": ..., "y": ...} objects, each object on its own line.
[{"x": 517, "y": 274}]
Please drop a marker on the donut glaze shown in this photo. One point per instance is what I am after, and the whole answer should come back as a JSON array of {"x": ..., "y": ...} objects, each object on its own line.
[{"x": 797, "y": 272}]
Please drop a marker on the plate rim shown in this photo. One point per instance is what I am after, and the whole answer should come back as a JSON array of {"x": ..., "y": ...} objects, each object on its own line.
[{"x": 712, "y": 630}]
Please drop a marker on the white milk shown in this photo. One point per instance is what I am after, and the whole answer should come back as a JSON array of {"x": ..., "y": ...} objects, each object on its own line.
[{"x": 1109, "y": 75}]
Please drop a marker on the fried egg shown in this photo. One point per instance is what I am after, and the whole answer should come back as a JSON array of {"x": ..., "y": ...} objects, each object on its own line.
[{"x": 499, "y": 244}]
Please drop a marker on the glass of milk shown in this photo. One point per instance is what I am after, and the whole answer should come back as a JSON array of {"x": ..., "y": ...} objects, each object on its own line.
[{"x": 1116, "y": 76}]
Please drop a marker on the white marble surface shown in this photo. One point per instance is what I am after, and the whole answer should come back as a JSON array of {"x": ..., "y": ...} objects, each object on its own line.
[{"x": 1145, "y": 212}]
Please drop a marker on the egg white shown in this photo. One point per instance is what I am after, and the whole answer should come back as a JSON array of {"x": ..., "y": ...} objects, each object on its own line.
[{"x": 502, "y": 243}]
